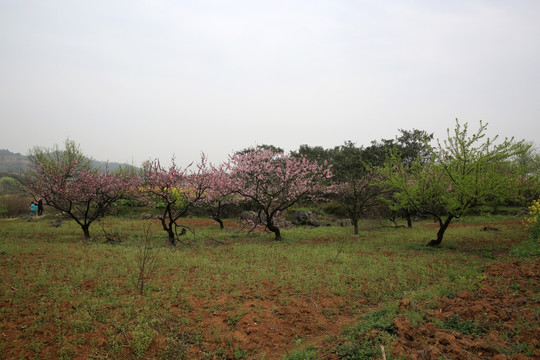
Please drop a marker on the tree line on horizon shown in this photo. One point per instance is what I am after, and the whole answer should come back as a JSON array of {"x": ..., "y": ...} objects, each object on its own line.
[
  {"x": 409, "y": 175},
  {"x": 12, "y": 164}
]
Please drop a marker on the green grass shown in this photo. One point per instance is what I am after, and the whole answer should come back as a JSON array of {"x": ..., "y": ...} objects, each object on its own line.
[
  {"x": 78, "y": 289},
  {"x": 309, "y": 353},
  {"x": 467, "y": 327}
]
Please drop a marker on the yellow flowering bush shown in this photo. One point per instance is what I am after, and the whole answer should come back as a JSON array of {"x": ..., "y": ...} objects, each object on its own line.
[{"x": 532, "y": 222}]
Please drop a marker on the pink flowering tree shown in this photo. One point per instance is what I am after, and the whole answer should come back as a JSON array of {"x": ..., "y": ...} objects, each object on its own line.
[
  {"x": 465, "y": 171},
  {"x": 219, "y": 195},
  {"x": 273, "y": 181},
  {"x": 174, "y": 190},
  {"x": 67, "y": 182}
]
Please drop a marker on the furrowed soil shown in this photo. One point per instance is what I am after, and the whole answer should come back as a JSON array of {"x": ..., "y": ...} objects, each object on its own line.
[{"x": 499, "y": 319}]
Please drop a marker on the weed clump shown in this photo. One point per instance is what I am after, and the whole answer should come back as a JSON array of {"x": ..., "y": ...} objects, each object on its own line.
[
  {"x": 532, "y": 221},
  {"x": 367, "y": 339},
  {"x": 146, "y": 263},
  {"x": 467, "y": 327}
]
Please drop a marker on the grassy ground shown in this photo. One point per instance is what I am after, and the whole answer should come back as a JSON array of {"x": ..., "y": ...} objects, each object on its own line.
[{"x": 226, "y": 293}]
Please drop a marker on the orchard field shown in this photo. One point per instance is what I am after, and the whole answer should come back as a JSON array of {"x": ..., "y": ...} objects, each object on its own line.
[
  {"x": 321, "y": 292},
  {"x": 391, "y": 251}
]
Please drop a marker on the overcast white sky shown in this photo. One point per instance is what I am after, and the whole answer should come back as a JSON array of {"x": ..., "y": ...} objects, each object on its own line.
[{"x": 134, "y": 80}]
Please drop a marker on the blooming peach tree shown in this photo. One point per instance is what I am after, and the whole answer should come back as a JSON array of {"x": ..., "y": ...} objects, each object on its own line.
[
  {"x": 273, "y": 181},
  {"x": 174, "y": 190},
  {"x": 219, "y": 194},
  {"x": 67, "y": 182}
]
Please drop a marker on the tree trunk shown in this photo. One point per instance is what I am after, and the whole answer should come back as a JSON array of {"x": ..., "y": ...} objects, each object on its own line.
[
  {"x": 442, "y": 229},
  {"x": 219, "y": 221},
  {"x": 275, "y": 230},
  {"x": 172, "y": 238},
  {"x": 409, "y": 219},
  {"x": 217, "y": 216},
  {"x": 85, "y": 229},
  {"x": 355, "y": 225},
  {"x": 169, "y": 230}
]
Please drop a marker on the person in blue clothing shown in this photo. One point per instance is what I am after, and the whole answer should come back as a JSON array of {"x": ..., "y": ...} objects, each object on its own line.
[{"x": 33, "y": 209}]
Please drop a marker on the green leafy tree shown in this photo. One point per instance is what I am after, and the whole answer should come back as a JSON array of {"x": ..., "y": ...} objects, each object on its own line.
[
  {"x": 414, "y": 145},
  {"x": 261, "y": 148},
  {"x": 465, "y": 171},
  {"x": 355, "y": 183},
  {"x": 8, "y": 185},
  {"x": 527, "y": 163},
  {"x": 409, "y": 146},
  {"x": 313, "y": 153},
  {"x": 353, "y": 187}
]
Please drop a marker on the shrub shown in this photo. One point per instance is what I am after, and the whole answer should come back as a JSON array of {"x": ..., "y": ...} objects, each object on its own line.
[
  {"x": 14, "y": 205},
  {"x": 8, "y": 185},
  {"x": 333, "y": 208},
  {"x": 532, "y": 223}
]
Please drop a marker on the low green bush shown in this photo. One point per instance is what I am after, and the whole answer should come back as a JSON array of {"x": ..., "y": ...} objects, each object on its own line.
[{"x": 14, "y": 205}]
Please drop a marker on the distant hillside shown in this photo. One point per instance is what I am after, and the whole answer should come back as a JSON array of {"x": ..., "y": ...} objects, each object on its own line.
[
  {"x": 15, "y": 163},
  {"x": 11, "y": 162},
  {"x": 102, "y": 165}
]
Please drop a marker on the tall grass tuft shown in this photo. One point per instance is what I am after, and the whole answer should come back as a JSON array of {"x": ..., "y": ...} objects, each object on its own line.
[{"x": 146, "y": 262}]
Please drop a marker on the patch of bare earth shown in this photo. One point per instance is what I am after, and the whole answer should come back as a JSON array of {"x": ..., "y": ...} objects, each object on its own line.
[
  {"x": 503, "y": 316},
  {"x": 262, "y": 324}
]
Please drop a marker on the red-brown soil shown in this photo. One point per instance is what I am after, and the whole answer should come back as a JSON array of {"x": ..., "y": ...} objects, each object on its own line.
[
  {"x": 505, "y": 309},
  {"x": 264, "y": 326},
  {"x": 506, "y": 305}
]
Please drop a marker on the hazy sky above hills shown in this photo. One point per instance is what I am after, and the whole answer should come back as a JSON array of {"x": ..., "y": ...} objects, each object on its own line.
[{"x": 133, "y": 80}]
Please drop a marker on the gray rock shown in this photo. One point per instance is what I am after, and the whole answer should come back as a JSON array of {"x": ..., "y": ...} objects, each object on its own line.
[
  {"x": 343, "y": 222},
  {"x": 302, "y": 217},
  {"x": 250, "y": 216}
]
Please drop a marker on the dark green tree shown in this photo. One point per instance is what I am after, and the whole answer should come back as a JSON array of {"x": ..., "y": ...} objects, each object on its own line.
[
  {"x": 527, "y": 164},
  {"x": 354, "y": 186},
  {"x": 465, "y": 171}
]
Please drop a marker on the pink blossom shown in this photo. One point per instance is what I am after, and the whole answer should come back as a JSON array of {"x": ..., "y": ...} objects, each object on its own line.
[{"x": 274, "y": 181}]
